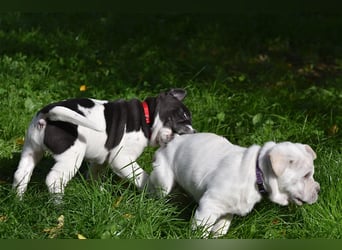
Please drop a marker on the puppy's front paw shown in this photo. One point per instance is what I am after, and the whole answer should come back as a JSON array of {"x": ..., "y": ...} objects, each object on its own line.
[{"x": 165, "y": 136}]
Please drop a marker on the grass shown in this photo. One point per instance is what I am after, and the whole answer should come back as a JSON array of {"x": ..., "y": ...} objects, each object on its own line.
[{"x": 252, "y": 77}]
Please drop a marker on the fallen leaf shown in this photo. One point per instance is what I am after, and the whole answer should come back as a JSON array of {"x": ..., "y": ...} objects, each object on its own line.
[
  {"x": 118, "y": 201},
  {"x": 81, "y": 237},
  {"x": 53, "y": 232},
  {"x": 20, "y": 141},
  {"x": 60, "y": 221},
  {"x": 3, "y": 218},
  {"x": 275, "y": 222},
  {"x": 333, "y": 129},
  {"x": 83, "y": 88},
  {"x": 128, "y": 216}
]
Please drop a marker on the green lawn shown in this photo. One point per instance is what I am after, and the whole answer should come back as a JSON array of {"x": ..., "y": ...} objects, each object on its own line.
[{"x": 251, "y": 77}]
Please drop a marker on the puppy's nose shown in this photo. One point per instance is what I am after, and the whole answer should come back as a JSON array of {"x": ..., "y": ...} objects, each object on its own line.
[
  {"x": 192, "y": 130},
  {"x": 186, "y": 130}
]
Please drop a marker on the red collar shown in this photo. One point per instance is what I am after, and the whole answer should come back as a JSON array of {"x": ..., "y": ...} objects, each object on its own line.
[{"x": 146, "y": 112}]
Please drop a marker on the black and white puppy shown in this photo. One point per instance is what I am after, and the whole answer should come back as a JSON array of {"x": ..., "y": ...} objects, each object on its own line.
[{"x": 101, "y": 132}]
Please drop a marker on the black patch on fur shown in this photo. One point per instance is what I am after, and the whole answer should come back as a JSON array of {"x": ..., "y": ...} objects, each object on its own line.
[
  {"x": 59, "y": 136},
  {"x": 70, "y": 104},
  {"x": 121, "y": 114}
]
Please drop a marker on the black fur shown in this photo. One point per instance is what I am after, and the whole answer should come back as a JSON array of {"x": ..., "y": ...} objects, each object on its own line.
[
  {"x": 70, "y": 104},
  {"x": 121, "y": 114},
  {"x": 59, "y": 136},
  {"x": 174, "y": 114}
]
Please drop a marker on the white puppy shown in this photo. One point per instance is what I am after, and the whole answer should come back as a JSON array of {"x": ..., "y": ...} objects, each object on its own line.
[{"x": 227, "y": 179}]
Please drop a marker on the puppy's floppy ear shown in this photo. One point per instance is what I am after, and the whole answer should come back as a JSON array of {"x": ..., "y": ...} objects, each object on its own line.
[
  {"x": 278, "y": 161},
  {"x": 310, "y": 151},
  {"x": 178, "y": 93}
]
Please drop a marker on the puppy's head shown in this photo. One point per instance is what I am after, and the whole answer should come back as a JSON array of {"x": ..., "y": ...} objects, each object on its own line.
[
  {"x": 292, "y": 164},
  {"x": 172, "y": 117}
]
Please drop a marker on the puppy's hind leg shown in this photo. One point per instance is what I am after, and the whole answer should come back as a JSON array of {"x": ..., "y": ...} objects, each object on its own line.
[
  {"x": 31, "y": 154},
  {"x": 66, "y": 166},
  {"x": 29, "y": 159}
]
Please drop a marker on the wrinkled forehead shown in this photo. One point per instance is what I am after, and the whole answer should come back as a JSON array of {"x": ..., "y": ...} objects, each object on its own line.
[
  {"x": 305, "y": 164},
  {"x": 301, "y": 165},
  {"x": 294, "y": 150},
  {"x": 295, "y": 156}
]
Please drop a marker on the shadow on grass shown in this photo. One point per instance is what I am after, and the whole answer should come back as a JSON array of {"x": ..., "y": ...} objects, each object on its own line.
[{"x": 9, "y": 166}]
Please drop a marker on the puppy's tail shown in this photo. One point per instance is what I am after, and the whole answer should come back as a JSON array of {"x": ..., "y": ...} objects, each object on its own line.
[{"x": 60, "y": 113}]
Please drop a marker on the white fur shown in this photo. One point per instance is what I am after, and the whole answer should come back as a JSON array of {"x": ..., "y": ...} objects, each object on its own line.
[
  {"x": 161, "y": 135},
  {"x": 59, "y": 113},
  {"x": 222, "y": 176}
]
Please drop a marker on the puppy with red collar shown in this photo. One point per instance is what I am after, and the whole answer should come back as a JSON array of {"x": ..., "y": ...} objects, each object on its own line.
[
  {"x": 101, "y": 132},
  {"x": 227, "y": 179}
]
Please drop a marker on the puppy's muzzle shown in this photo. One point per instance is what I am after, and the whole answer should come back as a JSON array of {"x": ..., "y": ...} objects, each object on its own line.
[{"x": 311, "y": 199}]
